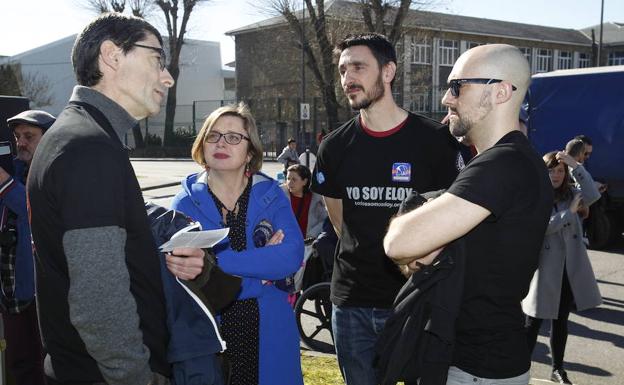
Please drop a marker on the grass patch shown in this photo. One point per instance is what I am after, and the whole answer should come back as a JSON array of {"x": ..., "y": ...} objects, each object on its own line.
[{"x": 320, "y": 370}]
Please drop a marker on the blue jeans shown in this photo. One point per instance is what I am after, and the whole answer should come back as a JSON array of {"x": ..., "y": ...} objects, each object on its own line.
[
  {"x": 457, "y": 376},
  {"x": 356, "y": 330}
]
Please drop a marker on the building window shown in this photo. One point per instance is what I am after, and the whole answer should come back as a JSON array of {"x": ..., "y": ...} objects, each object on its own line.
[
  {"x": 229, "y": 84},
  {"x": 564, "y": 61},
  {"x": 584, "y": 60},
  {"x": 420, "y": 102},
  {"x": 449, "y": 50},
  {"x": 421, "y": 50},
  {"x": 526, "y": 51},
  {"x": 472, "y": 44},
  {"x": 616, "y": 58},
  {"x": 544, "y": 60}
]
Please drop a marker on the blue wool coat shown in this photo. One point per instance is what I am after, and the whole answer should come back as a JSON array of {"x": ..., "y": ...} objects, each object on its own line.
[{"x": 279, "y": 340}]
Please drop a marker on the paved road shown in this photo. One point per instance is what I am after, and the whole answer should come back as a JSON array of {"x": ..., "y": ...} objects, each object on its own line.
[
  {"x": 151, "y": 173},
  {"x": 595, "y": 350}
]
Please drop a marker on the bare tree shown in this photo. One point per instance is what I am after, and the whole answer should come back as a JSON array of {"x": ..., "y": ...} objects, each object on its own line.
[
  {"x": 34, "y": 86},
  {"x": 9, "y": 83},
  {"x": 319, "y": 60},
  {"x": 383, "y": 16},
  {"x": 103, "y": 6},
  {"x": 139, "y": 8},
  {"x": 142, "y": 8},
  {"x": 176, "y": 14},
  {"x": 171, "y": 11}
]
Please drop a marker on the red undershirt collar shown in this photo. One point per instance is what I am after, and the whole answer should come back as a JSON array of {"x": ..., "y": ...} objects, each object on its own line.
[{"x": 382, "y": 134}]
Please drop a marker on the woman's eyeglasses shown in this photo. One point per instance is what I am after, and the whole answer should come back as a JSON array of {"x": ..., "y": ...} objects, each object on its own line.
[{"x": 230, "y": 137}]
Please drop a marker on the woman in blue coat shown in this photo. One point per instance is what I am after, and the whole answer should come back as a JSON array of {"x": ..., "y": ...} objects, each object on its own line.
[{"x": 264, "y": 245}]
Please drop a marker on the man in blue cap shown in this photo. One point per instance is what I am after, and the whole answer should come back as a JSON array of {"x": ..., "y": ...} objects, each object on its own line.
[{"x": 24, "y": 354}]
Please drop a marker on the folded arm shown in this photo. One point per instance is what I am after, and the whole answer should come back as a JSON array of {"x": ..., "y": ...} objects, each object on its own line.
[
  {"x": 271, "y": 261},
  {"x": 418, "y": 233}
]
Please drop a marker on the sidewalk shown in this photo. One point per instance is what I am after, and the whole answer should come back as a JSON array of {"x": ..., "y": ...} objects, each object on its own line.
[{"x": 594, "y": 353}]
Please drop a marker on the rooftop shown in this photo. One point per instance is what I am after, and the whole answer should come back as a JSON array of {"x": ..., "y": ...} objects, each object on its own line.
[{"x": 435, "y": 21}]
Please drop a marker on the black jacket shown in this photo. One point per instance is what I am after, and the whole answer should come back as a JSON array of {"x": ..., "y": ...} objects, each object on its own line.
[{"x": 417, "y": 341}]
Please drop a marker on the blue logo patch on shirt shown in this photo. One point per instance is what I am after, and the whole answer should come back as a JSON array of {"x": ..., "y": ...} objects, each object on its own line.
[
  {"x": 320, "y": 178},
  {"x": 401, "y": 172}
]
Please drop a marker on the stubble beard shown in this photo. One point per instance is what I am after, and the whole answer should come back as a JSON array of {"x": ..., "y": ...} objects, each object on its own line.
[
  {"x": 462, "y": 125},
  {"x": 370, "y": 97},
  {"x": 24, "y": 155}
]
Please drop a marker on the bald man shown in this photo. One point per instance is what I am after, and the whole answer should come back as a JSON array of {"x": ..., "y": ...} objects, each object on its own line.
[{"x": 500, "y": 204}]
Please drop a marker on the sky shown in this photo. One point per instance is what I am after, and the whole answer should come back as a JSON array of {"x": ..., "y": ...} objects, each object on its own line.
[{"x": 27, "y": 24}]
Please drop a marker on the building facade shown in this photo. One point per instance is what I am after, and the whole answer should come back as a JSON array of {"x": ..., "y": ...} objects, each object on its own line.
[
  {"x": 202, "y": 85},
  {"x": 269, "y": 62},
  {"x": 612, "y": 52}
]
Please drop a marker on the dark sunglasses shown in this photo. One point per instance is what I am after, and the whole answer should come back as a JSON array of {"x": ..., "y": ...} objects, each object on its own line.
[
  {"x": 455, "y": 84},
  {"x": 163, "y": 57}
]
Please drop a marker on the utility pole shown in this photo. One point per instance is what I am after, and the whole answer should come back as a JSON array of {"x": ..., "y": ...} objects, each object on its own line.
[
  {"x": 303, "y": 94},
  {"x": 600, "y": 41}
]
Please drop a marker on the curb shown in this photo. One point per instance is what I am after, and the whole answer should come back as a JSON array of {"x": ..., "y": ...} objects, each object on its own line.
[{"x": 313, "y": 353}]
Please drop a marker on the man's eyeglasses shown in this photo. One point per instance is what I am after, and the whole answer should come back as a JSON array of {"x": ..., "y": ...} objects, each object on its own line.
[
  {"x": 230, "y": 137},
  {"x": 455, "y": 84},
  {"x": 163, "y": 57}
]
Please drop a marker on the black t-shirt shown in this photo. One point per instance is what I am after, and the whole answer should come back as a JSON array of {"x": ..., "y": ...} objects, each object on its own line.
[
  {"x": 511, "y": 181},
  {"x": 372, "y": 173}
]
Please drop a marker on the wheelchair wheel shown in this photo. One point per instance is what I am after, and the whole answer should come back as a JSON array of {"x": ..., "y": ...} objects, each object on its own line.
[{"x": 313, "y": 312}]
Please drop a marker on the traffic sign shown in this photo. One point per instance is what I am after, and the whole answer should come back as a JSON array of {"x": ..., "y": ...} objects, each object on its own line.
[{"x": 304, "y": 111}]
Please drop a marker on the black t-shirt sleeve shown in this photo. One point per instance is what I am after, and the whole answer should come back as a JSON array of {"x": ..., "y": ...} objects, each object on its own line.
[
  {"x": 324, "y": 177},
  {"x": 90, "y": 187},
  {"x": 491, "y": 180}
]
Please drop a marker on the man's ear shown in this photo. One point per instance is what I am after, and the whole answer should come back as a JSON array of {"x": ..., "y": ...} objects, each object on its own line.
[
  {"x": 388, "y": 72},
  {"x": 504, "y": 92},
  {"x": 110, "y": 54}
]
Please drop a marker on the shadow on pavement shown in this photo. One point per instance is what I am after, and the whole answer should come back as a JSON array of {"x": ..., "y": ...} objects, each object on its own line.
[
  {"x": 610, "y": 283},
  {"x": 613, "y": 302},
  {"x": 541, "y": 355},
  {"x": 591, "y": 334},
  {"x": 605, "y": 314}
]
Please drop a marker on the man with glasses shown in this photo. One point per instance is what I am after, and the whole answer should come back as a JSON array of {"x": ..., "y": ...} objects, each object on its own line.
[
  {"x": 500, "y": 204},
  {"x": 364, "y": 170},
  {"x": 99, "y": 289}
]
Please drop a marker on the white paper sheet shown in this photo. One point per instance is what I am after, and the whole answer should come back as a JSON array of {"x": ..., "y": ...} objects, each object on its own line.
[{"x": 199, "y": 239}]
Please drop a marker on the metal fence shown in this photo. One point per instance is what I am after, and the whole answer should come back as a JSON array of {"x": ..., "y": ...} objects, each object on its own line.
[
  {"x": 278, "y": 119},
  {"x": 426, "y": 101}
]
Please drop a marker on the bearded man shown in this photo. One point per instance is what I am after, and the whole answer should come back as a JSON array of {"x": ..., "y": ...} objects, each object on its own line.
[{"x": 364, "y": 169}]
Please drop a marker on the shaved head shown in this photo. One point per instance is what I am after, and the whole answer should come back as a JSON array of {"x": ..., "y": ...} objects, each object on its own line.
[
  {"x": 496, "y": 61},
  {"x": 486, "y": 89}
]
